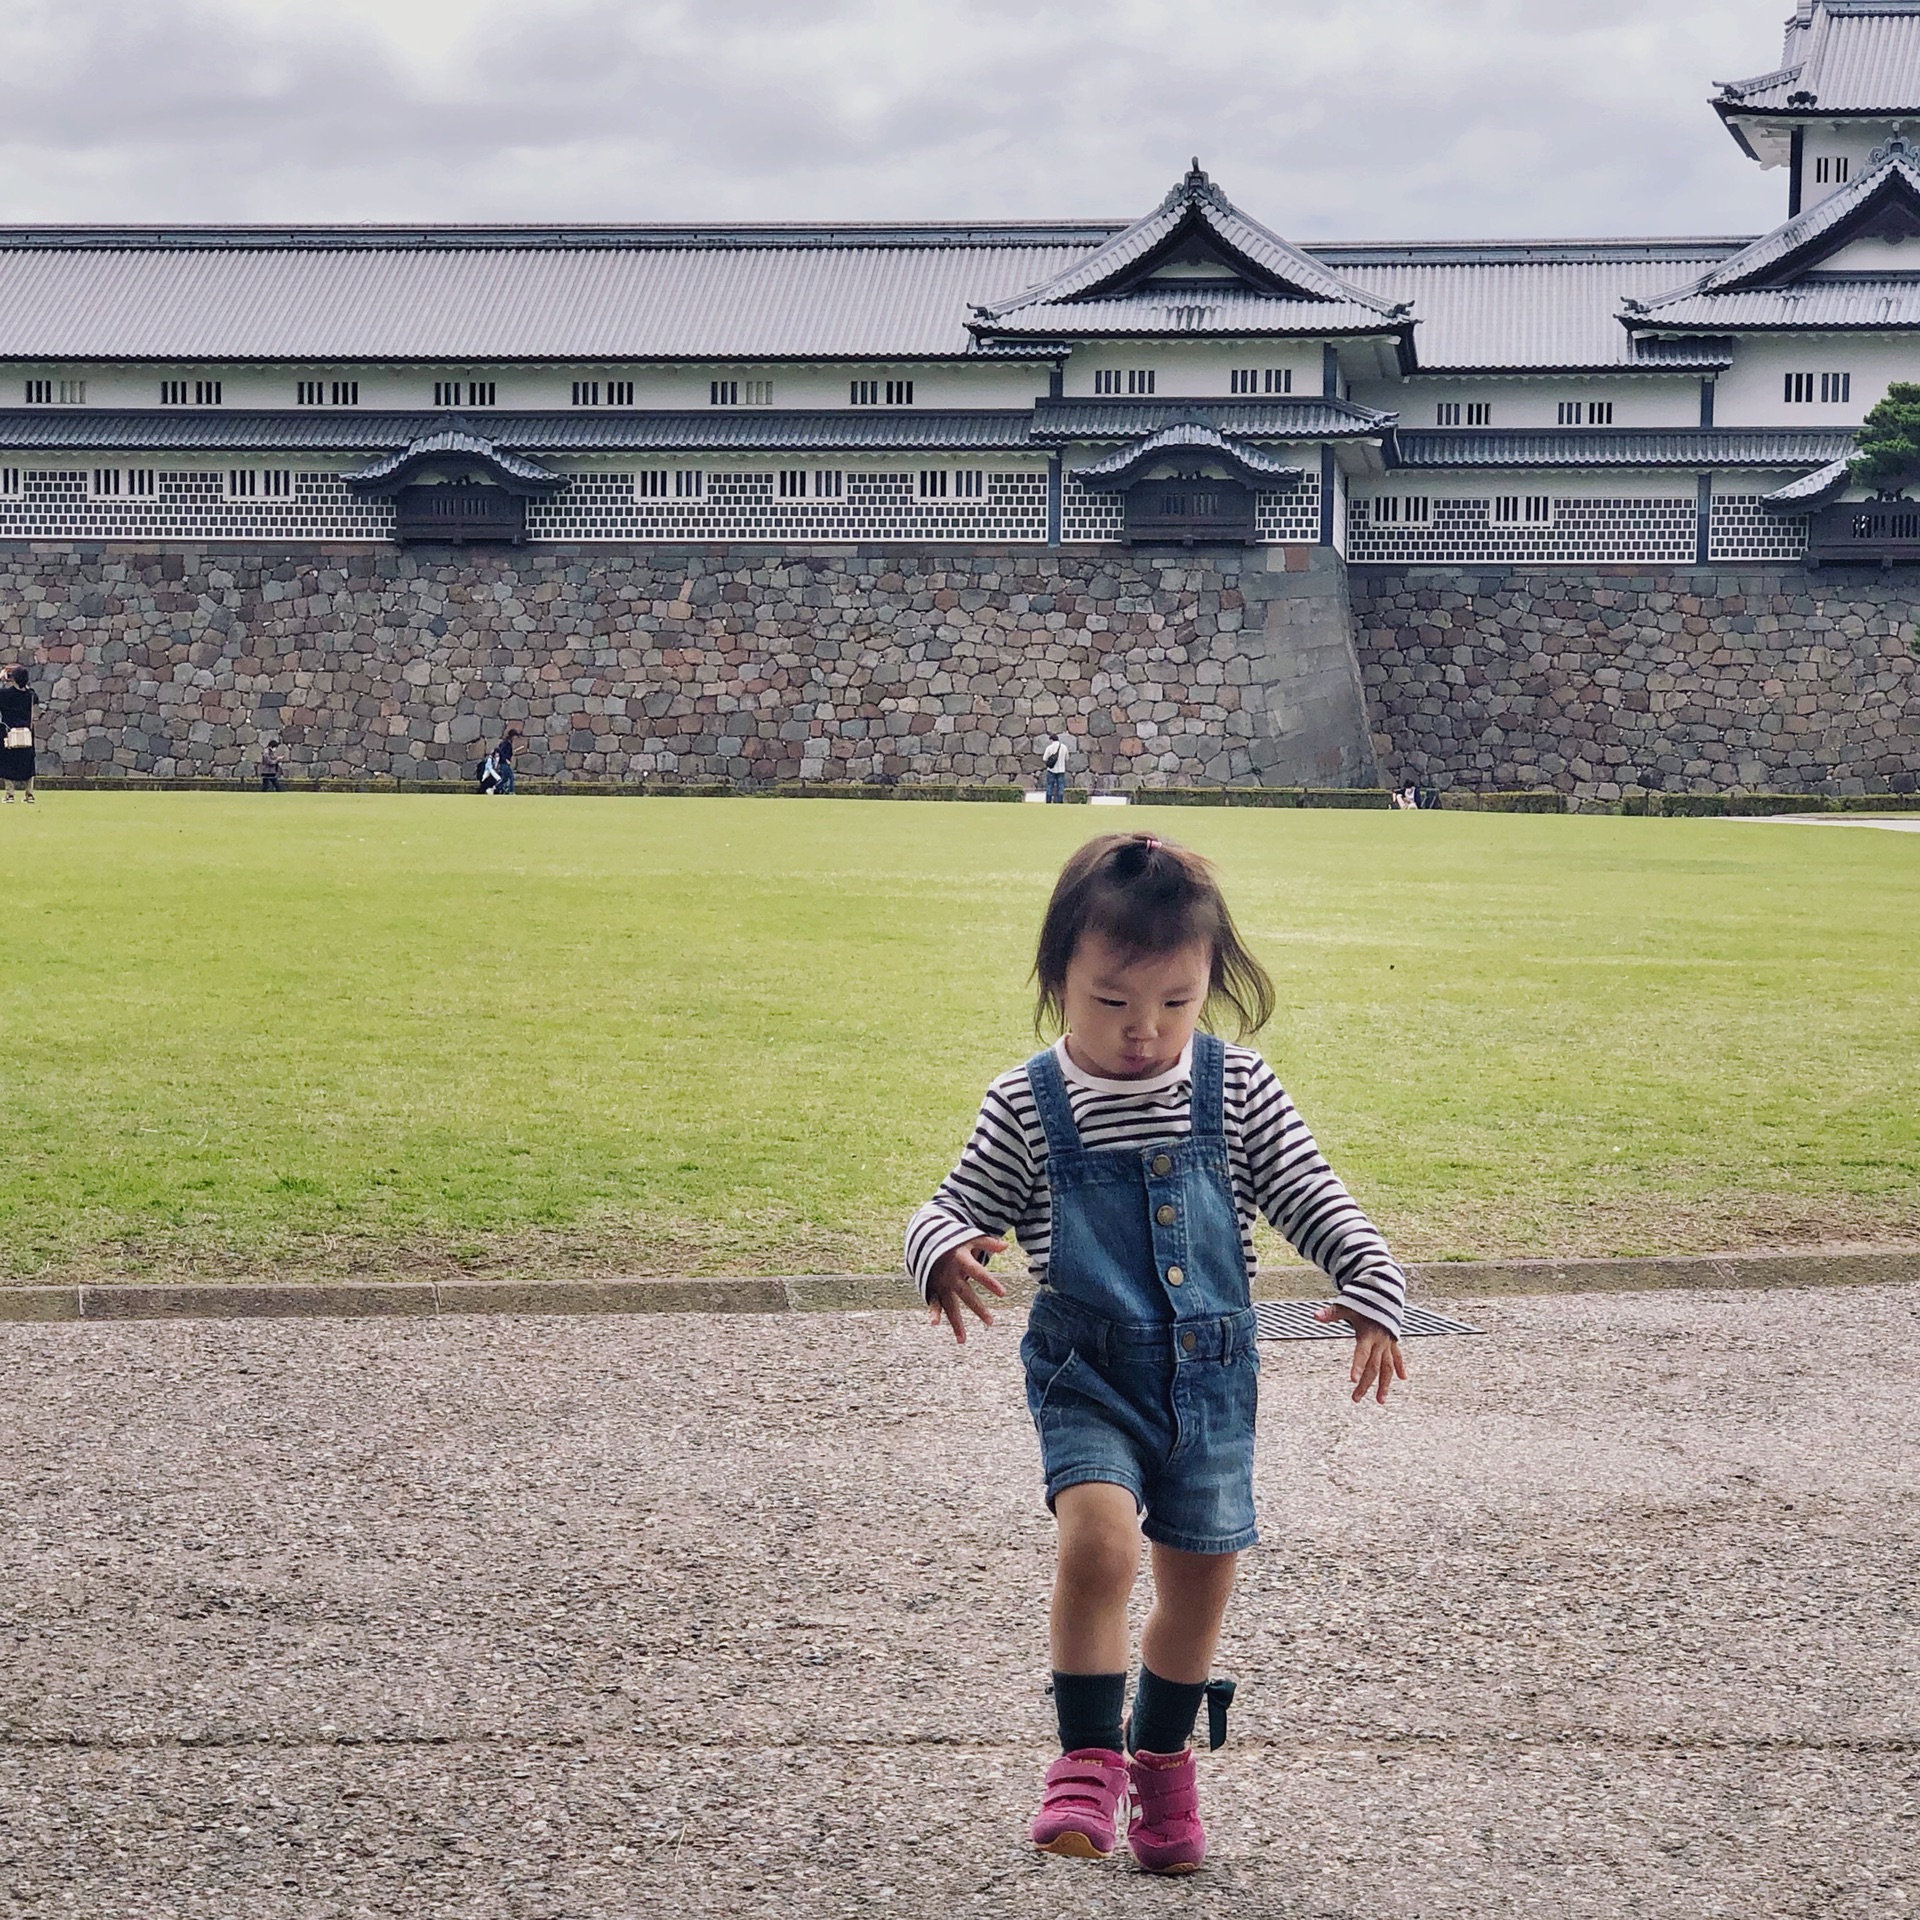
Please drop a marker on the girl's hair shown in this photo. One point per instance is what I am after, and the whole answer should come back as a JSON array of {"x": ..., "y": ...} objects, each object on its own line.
[{"x": 1149, "y": 898}]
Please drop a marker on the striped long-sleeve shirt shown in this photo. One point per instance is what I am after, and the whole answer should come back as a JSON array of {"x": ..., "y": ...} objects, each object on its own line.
[{"x": 1000, "y": 1185}]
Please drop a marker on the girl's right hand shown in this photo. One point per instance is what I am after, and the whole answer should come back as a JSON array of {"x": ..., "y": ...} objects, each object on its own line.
[{"x": 951, "y": 1287}]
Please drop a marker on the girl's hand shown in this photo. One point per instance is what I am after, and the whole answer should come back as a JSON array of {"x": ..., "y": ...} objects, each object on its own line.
[
  {"x": 951, "y": 1286},
  {"x": 1377, "y": 1360}
]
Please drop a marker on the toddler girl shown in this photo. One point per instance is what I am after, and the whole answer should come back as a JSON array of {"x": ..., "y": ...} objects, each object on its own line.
[{"x": 1130, "y": 1159}]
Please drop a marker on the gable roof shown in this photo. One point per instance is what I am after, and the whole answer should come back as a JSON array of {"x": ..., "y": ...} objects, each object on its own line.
[
  {"x": 1775, "y": 281},
  {"x": 1261, "y": 285},
  {"x": 1841, "y": 57}
]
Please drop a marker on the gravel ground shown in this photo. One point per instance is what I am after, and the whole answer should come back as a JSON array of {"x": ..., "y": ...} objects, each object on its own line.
[{"x": 1617, "y": 1614}]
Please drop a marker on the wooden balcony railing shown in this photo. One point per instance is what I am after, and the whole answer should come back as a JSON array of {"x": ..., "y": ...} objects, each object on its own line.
[{"x": 1865, "y": 533}]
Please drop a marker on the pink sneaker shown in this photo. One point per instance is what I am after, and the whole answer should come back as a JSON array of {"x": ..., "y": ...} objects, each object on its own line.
[
  {"x": 1166, "y": 1833},
  {"x": 1079, "y": 1812}
]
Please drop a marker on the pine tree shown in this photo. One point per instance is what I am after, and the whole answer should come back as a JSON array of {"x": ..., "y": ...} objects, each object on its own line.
[{"x": 1889, "y": 445}]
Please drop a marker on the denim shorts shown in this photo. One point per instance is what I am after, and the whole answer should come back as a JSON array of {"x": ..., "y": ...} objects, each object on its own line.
[{"x": 1165, "y": 1410}]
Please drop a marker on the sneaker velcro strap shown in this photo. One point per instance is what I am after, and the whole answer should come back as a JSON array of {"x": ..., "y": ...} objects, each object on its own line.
[
  {"x": 1093, "y": 1780},
  {"x": 1180, "y": 1794}
]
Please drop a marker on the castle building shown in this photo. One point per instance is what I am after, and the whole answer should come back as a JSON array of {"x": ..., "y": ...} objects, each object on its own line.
[{"x": 1189, "y": 378}]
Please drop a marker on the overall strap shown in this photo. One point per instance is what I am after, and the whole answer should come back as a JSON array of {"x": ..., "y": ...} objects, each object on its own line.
[
  {"x": 1049, "y": 1086},
  {"x": 1209, "y": 1109}
]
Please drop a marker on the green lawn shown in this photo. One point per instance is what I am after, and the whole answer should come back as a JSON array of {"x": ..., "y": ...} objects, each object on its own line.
[{"x": 348, "y": 1033}]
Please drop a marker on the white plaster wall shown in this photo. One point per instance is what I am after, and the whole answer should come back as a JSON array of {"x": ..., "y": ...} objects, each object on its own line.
[
  {"x": 548, "y": 388},
  {"x": 1639, "y": 400},
  {"x": 1853, "y": 140},
  {"x": 1753, "y": 393},
  {"x": 1195, "y": 369}
]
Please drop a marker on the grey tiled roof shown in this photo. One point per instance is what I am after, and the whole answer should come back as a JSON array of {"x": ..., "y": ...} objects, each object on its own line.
[
  {"x": 1696, "y": 353},
  {"x": 1250, "y": 462},
  {"x": 1796, "y": 248},
  {"x": 1828, "y": 483},
  {"x": 1852, "y": 56},
  {"x": 1699, "y": 448},
  {"x": 724, "y": 300},
  {"x": 100, "y": 429},
  {"x": 1524, "y": 306},
  {"x": 1058, "y": 421},
  {"x": 1279, "y": 288},
  {"x": 1855, "y": 304}
]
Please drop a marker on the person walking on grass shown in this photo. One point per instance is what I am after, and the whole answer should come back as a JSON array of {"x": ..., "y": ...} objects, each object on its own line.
[
  {"x": 1053, "y": 764},
  {"x": 273, "y": 769},
  {"x": 17, "y": 702},
  {"x": 1130, "y": 1158}
]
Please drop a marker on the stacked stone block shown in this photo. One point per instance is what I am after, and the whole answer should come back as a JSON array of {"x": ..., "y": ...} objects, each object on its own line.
[
  {"x": 739, "y": 666},
  {"x": 664, "y": 666},
  {"x": 1612, "y": 682}
]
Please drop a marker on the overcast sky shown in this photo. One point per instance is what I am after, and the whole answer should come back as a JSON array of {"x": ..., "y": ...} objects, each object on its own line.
[{"x": 1354, "y": 119}]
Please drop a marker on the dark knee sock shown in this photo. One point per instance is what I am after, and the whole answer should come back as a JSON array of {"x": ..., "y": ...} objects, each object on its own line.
[
  {"x": 1089, "y": 1706},
  {"x": 1163, "y": 1714}
]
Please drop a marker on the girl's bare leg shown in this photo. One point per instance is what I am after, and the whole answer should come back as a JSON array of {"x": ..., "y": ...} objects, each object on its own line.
[
  {"x": 1099, "y": 1559},
  {"x": 1190, "y": 1597}
]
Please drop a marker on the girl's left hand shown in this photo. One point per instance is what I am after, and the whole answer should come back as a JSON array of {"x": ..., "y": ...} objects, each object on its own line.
[{"x": 1377, "y": 1359}]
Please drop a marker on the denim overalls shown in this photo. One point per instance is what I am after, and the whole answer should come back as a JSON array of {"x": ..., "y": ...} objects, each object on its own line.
[{"x": 1142, "y": 1367}]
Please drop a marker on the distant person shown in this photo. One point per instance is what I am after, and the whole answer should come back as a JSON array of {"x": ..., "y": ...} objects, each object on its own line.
[
  {"x": 17, "y": 702},
  {"x": 503, "y": 760},
  {"x": 273, "y": 769},
  {"x": 1053, "y": 763}
]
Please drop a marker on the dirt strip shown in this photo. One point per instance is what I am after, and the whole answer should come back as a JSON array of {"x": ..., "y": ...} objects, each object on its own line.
[{"x": 879, "y": 1292}]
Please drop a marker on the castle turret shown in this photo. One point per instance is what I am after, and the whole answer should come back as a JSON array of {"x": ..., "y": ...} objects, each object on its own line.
[{"x": 1848, "y": 81}]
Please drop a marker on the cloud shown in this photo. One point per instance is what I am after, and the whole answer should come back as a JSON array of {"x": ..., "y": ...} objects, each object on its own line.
[{"x": 1368, "y": 119}]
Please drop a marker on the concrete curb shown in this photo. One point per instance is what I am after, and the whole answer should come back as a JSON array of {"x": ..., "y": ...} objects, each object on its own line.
[{"x": 876, "y": 1293}]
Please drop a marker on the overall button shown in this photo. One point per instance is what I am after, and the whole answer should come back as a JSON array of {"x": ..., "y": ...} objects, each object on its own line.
[
  {"x": 1188, "y": 1342},
  {"x": 1176, "y": 1276},
  {"x": 1162, "y": 1166},
  {"x": 1167, "y": 1216}
]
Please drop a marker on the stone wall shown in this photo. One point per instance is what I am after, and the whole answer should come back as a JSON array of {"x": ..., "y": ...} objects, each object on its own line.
[
  {"x": 692, "y": 666},
  {"x": 734, "y": 665},
  {"x": 1607, "y": 681}
]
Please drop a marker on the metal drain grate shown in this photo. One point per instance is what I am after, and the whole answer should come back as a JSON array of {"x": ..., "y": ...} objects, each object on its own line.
[{"x": 1293, "y": 1320}]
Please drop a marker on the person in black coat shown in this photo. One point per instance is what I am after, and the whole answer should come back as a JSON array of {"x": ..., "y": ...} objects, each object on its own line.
[{"x": 17, "y": 702}]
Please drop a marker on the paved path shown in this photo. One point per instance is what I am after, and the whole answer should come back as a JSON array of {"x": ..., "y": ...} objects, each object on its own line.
[
  {"x": 1826, "y": 820},
  {"x": 1618, "y": 1615}
]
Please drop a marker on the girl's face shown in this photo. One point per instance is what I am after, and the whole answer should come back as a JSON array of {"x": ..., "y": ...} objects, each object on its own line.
[{"x": 1129, "y": 1017}]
